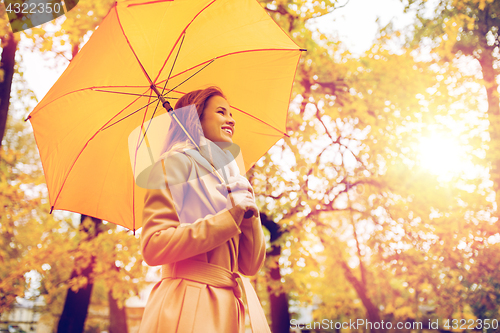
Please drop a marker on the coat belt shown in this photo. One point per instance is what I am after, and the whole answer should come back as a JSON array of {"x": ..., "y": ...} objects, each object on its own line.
[{"x": 220, "y": 277}]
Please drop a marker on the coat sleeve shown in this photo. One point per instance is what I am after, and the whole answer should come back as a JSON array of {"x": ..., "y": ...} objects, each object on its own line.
[
  {"x": 252, "y": 251},
  {"x": 163, "y": 239}
]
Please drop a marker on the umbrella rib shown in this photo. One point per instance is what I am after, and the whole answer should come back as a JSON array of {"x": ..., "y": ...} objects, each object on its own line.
[
  {"x": 144, "y": 136},
  {"x": 156, "y": 100},
  {"x": 79, "y": 90},
  {"x": 136, "y": 110},
  {"x": 147, "y": 3},
  {"x": 132, "y": 112},
  {"x": 252, "y": 116},
  {"x": 131, "y": 48},
  {"x": 135, "y": 155},
  {"x": 178, "y": 38},
  {"x": 152, "y": 116},
  {"x": 229, "y": 54},
  {"x": 124, "y": 93},
  {"x": 266, "y": 134},
  {"x": 164, "y": 86},
  {"x": 81, "y": 151},
  {"x": 173, "y": 65},
  {"x": 225, "y": 55},
  {"x": 290, "y": 95},
  {"x": 116, "y": 122},
  {"x": 211, "y": 61}
]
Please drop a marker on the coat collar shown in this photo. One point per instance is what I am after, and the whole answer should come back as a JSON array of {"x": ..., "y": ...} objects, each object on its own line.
[{"x": 189, "y": 148}]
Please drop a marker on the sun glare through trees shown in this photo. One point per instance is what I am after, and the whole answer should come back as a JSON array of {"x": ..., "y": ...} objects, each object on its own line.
[{"x": 442, "y": 156}]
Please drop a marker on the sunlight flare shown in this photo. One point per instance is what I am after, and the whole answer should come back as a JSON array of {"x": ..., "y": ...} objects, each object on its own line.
[{"x": 441, "y": 155}]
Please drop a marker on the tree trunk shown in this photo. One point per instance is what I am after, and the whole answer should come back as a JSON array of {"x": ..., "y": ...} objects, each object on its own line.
[
  {"x": 8, "y": 61},
  {"x": 76, "y": 305},
  {"x": 117, "y": 316},
  {"x": 280, "y": 317},
  {"x": 493, "y": 154},
  {"x": 372, "y": 311}
]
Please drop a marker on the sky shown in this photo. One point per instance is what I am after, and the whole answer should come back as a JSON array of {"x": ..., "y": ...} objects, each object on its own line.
[{"x": 355, "y": 24}]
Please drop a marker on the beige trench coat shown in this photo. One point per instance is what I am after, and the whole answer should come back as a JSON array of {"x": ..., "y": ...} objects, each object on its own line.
[{"x": 208, "y": 234}]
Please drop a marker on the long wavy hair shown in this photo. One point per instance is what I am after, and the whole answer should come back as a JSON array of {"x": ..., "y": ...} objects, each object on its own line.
[{"x": 189, "y": 109}]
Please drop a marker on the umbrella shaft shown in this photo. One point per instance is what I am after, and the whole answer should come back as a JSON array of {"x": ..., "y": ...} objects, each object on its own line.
[{"x": 164, "y": 102}]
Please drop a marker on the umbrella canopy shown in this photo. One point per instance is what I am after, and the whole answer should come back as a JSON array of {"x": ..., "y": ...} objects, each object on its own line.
[{"x": 82, "y": 125}]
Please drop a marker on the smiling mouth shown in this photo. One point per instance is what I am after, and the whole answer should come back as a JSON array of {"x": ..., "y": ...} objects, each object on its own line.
[{"x": 227, "y": 130}]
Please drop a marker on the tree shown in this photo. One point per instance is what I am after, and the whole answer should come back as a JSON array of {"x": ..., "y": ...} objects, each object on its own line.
[
  {"x": 322, "y": 84},
  {"x": 81, "y": 21},
  {"x": 280, "y": 316},
  {"x": 61, "y": 239},
  {"x": 32, "y": 241},
  {"x": 18, "y": 218},
  {"x": 9, "y": 43},
  {"x": 349, "y": 178},
  {"x": 468, "y": 32},
  {"x": 460, "y": 29},
  {"x": 78, "y": 297}
]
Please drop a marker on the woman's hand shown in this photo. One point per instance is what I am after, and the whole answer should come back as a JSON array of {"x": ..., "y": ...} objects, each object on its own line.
[{"x": 240, "y": 198}]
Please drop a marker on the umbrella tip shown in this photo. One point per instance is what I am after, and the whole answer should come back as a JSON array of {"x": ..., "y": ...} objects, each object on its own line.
[
  {"x": 29, "y": 116},
  {"x": 51, "y": 209},
  {"x": 303, "y": 49}
]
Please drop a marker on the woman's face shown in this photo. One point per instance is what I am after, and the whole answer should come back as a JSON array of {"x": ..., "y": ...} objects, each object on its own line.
[{"x": 217, "y": 121}]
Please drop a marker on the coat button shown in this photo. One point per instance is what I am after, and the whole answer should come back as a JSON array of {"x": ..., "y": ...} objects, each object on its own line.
[{"x": 157, "y": 233}]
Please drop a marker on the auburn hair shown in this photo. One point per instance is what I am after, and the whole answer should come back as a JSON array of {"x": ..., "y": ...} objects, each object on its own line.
[{"x": 190, "y": 108}]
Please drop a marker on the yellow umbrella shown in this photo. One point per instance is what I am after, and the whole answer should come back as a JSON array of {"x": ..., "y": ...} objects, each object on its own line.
[{"x": 111, "y": 87}]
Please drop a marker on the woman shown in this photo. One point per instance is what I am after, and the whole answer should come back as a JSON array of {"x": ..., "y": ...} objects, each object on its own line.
[{"x": 199, "y": 235}]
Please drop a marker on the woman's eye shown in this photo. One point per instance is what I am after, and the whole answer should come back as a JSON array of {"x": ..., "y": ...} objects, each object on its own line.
[{"x": 220, "y": 111}]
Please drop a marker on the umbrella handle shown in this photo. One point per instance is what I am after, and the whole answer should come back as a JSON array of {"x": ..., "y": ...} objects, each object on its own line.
[{"x": 248, "y": 214}]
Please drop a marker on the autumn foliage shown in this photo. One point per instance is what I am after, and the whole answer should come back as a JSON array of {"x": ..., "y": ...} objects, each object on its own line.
[{"x": 383, "y": 198}]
